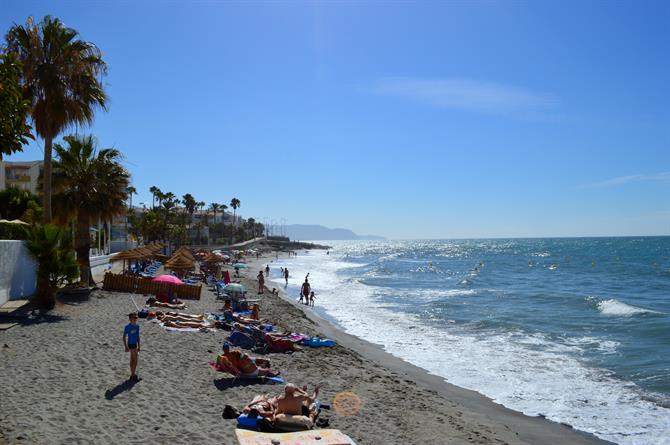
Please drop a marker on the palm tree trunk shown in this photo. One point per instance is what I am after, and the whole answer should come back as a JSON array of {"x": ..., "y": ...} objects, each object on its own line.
[
  {"x": 83, "y": 247},
  {"x": 46, "y": 180},
  {"x": 46, "y": 296}
]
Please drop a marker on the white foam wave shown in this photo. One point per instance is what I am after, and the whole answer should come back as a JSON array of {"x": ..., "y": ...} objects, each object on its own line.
[
  {"x": 614, "y": 307},
  {"x": 529, "y": 373}
]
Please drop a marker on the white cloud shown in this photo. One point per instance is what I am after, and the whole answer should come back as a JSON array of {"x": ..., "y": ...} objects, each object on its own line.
[
  {"x": 621, "y": 180},
  {"x": 462, "y": 94}
]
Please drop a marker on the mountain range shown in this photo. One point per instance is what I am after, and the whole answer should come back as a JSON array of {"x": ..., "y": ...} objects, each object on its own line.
[{"x": 310, "y": 232}]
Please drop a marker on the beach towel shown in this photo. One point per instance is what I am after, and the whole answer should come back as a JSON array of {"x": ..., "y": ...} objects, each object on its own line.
[
  {"x": 226, "y": 277},
  {"x": 312, "y": 437},
  {"x": 316, "y": 342}
]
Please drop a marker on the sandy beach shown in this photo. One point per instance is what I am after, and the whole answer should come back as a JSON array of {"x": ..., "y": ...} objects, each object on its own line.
[{"x": 65, "y": 381}]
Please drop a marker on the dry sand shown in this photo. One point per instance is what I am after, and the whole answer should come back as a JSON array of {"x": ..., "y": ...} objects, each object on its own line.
[{"x": 64, "y": 381}]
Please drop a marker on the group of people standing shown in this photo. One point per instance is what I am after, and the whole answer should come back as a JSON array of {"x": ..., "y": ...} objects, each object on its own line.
[{"x": 306, "y": 294}]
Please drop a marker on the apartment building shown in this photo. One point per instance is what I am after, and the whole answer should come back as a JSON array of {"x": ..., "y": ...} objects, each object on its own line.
[{"x": 22, "y": 175}]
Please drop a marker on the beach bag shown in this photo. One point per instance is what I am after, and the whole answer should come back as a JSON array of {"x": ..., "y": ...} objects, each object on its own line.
[{"x": 143, "y": 313}]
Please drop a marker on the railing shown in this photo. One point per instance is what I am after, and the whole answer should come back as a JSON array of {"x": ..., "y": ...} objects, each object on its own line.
[{"x": 141, "y": 285}]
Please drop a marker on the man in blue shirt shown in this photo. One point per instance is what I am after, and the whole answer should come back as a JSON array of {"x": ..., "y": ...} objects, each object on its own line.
[{"x": 131, "y": 342}]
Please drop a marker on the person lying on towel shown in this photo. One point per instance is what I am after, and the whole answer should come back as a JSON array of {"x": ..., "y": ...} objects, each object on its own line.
[
  {"x": 185, "y": 324},
  {"x": 155, "y": 303},
  {"x": 262, "y": 405},
  {"x": 296, "y": 407},
  {"x": 246, "y": 365},
  {"x": 178, "y": 316}
]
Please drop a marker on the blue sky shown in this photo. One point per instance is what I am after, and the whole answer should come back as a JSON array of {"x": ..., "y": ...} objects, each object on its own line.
[{"x": 402, "y": 119}]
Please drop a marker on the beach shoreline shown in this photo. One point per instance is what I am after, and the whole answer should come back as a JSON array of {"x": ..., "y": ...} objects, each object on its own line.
[
  {"x": 66, "y": 382},
  {"x": 529, "y": 429}
]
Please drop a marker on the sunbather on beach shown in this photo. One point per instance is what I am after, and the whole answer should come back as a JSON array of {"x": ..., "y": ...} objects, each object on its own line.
[
  {"x": 293, "y": 404},
  {"x": 184, "y": 324},
  {"x": 155, "y": 303},
  {"x": 263, "y": 405},
  {"x": 246, "y": 365},
  {"x": 176, "y": 316}
]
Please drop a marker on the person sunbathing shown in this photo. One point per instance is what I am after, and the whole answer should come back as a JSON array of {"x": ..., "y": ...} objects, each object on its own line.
[
  {"x": 155, "y": 303},
  {"x": 294, "y": 404},
  {"x": 262, "y": 405},
  {"x": 246, "y": 365},
  {"x": 178, "y": 316},
  {"x": 184, "y": 324}
]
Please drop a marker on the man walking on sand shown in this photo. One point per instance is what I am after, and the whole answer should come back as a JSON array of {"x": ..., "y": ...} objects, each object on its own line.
[
  {"x": 131, "y": 343},
  {"x": 286, "y": 275}
]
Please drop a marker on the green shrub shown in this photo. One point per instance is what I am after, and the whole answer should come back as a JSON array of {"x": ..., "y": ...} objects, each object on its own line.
[{"x": 13, "y": 231}]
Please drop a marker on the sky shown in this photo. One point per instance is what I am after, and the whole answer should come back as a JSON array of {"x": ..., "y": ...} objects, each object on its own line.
[{"x": 449, "y": 119}]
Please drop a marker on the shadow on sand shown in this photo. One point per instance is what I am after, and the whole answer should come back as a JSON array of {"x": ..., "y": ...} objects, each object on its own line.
[
  {"x": 124, "y": 386},
  {"x": 227, "y": 383}
]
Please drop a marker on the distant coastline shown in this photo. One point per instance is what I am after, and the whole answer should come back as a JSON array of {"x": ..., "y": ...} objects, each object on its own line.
[{"x": 311, "y": 232}]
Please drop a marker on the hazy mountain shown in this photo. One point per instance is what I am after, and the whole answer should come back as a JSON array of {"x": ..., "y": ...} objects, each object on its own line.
[{"x": 304, "y": 232}]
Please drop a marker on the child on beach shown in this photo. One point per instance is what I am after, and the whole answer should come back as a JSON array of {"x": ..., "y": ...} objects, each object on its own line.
[
  {"x": 311, "y": 299},
  {"x": 131, "y": 343}
]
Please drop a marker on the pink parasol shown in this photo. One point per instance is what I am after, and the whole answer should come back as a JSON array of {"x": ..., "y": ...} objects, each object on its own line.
[{"x": 171, "y": 279}]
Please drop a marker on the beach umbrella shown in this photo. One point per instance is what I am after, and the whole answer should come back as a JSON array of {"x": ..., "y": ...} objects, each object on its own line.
[
  {"x": 170, "y": 279},
  {"x": 126, "y": 255},
  {"x": 235, "y": 287},
  {"x": 179, "y": 262},
  {"x": 240, "y": 266}
]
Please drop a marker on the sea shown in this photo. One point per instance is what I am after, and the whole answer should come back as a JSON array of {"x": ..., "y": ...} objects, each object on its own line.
[{"x": 573, "y": 329}]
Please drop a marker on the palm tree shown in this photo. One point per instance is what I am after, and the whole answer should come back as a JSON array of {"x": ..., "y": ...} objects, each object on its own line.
[
  {"x": 62, "y": 80},
  {"x": 154, "y": 192},
  {"x": 89, "y": 185},
  {"x": 190, "y": 203},
  {"x": 168, "y": 202},
  {"x": 223, "y": 220},
  {"x": 131, "y": 191},
  {"x": 160, "y": 196},
  {"x": 52, "y": 250},
  {"x": 214, "y": 207},
  {"x": 235, "y": 203}
]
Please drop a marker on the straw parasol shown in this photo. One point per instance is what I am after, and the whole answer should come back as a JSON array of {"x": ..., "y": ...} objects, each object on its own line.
[
  {"x": 180, "y": 263},
  {"x": 130, "y": 254}
]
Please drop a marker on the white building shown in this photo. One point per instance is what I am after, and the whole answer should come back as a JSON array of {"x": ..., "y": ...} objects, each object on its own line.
[{"x": 22, "y": 175}]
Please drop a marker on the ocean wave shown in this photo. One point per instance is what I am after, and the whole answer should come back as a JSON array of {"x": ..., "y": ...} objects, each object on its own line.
[{"x": 614, "y": 307}]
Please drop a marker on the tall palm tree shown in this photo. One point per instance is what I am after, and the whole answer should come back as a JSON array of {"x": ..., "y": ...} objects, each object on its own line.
[
  {"x": 235, "y": 203},
  {"x": 160, "y": 196},
  {"x": 131, "y": 191},
  {"x": 61, "y": 78},
  {"x": 89, "y": 185},
  {"x": 190, "y": 203},
  {"x": 214, "y": 207},
  {"x": 223, "y": 220},
  {"x": 154, "y": 192}
]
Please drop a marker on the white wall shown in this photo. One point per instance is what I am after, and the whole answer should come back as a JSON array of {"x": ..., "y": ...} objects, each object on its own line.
[{"x": 17, "y": 271}]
